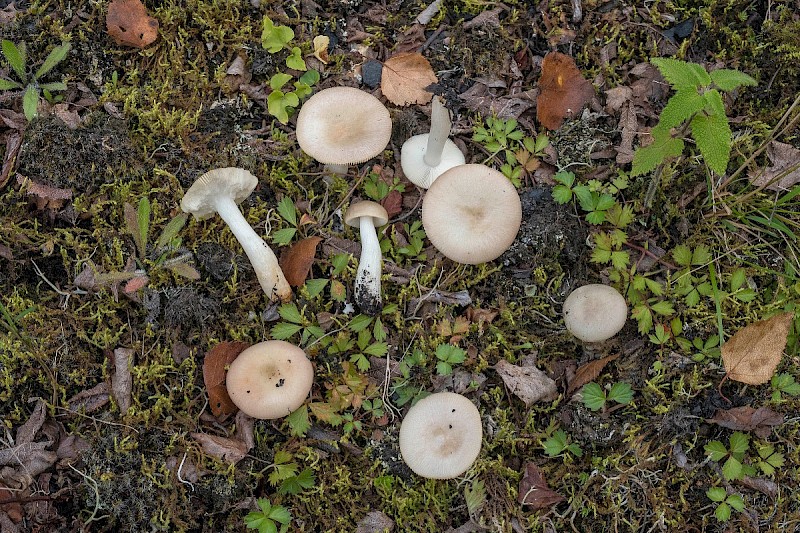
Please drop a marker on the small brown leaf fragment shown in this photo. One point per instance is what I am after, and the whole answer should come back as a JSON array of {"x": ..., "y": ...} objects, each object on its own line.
[
  {"x": 231, "y": 450},
  {"x": 375, "y": 522},
  {"x": 747, "y": 418},
  {"x": 753, "y": 353},
  {"x": 784, "y": 172},
  {"x": 297, "y": 260},
  {"x": 528, "y": 383},
  {"x": 128, "y": 23},
  {"x": 404, "y": 78},
  {"x": 321, "y": 43},
  {"x": 122, "y": 380},
  {"x": 91, "y": 399},
  {"x": 563, "y": 91},
  {"x": 763, "y": 485},
  {"x": 588, "y": 372},
  {"x": 219, "y": 357},
  {"x": 393, "y": 203},
  {"x": 533, "y": 489}
]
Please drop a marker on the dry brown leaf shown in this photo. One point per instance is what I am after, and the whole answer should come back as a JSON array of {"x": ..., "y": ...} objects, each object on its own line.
[
  {"x": 90, "y": 400},
  {"x": 785, "y": 159},
  {"x": 231, "y": 450},
  {"x": 533, "y": 489},
  {"x": 563, "y": 91},
  {"x": 528, "y": 383},
  {"x": 122, "y": 380},
  {"x": 214, "y": 365},
  {"x": 753, "y": 353},
  {"x": 375, "y": 522},
  {"x": 128, "y": 23},
  {"x": 747, "y": 418},
  {"x": 393, "y": 203},
  {"x": 321, "y": 43},
  {"x": 297, "y": 260},
  {"x": 588, "y": 372},
  {"x": 404, "y": 78}
]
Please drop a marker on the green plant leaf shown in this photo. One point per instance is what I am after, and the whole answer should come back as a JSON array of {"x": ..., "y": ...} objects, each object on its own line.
[
  {"x": 298, "y": 420},
  {"x": 730, "y": 79},
  {"x": 293, "y": 485},
  {"x": 278, "y": 80},
  {"x": 290, "y": 313},
  {"x": 739, "y": 443},
  {"x": 283, "y": 330},
  {"x": 712, "y": 133},
  {"x": 561, "y": 194},
  {"x": 7, "y": 85},
  {"x": 621, "y": 393},
  {"x": 30, "y": 102},
  {"x": 681, "y": 74},
  {"x": 310, "y": 77},
  {"x": 280, "y": 514},
  {"x": 647, "y": 158},
  {"x": 55, "y": 57},
  {"x": 143, "y": 223},
  {"x": 682, "y": 255},
  {"x": 315, "y": 286},
  {"x": 723, "y": 512},
  {"x": 732, "y": 469},
  {"x": 594, "y": 397},
  {"x": 716, "y": 450},
  {"x": 54, "y": 86},
  {"x": 444, "y": 368},
  {"x": 716, "y": 494},
  {"x": 680, "y": 107},
  {"x": 284, "y": 236},
  {"x": 735, "y": 501},
  {"x": 295, "y": 59},
  {"x": 273, "y": 37},
  {"x": 475, "y": 496},
  {"x": 171, "y": 230},
  {"x": 555, "y": 444},
  {"x": 15, "y": 55},
  {"x": 663, "y": 308}
]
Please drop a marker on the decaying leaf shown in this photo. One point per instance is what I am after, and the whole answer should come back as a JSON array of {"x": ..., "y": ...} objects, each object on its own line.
[
  {"x": 563, "y": 91},
  {"x": 528, "y": 383},
  {"x": 404, "y": 78},
  {"x": 321, "y": 43},
  {"x": 231, "y": 450},
  {"x": 784, "y": 172},
  {"x": 297, "y": 260},
  {"x": 588, "y": 372},
  {"x": 90, "y": 400},
  {"x": 375, "y": 522},
  {"x": 747, "y": 418},
  {"x": 128, "y": 23},
  {"x": 122, "y": 380},
  {"x": 753, "y": 353},
  {"x": 533, "y": 489},
  {"x": 214, "y": 365},
  {"x": 393, "y": 203}
]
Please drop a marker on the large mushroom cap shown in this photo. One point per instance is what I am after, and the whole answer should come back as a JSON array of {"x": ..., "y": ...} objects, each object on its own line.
[
  {"x": 472, "y": 214},
  {"x": 270, "y": 379},
  {"x": 366, "y": 208},
  {"x": 343, "y": 126},
  {"x": 595, "y": 312},
  {"x": 441, "y": 436},
  {"x": 236, "y": 183}
]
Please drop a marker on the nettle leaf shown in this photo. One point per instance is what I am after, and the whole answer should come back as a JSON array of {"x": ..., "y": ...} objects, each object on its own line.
[
  {"x": 712, "y": 133},
  {"x": 681, "y": 74},
  {"x": 681, "y": 107},
  {"x": 729, "y": 79},
  {"x": 647, "y": 158},
  {"x": 594, "y": 397}
]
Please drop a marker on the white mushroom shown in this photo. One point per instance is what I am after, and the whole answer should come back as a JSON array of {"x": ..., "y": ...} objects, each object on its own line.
[
  {"x": 367, "y": 216},
  {"x": 220, "y": 191},
  {"x": 595, "y": 312},
  {"x": 425, "y": 157}
]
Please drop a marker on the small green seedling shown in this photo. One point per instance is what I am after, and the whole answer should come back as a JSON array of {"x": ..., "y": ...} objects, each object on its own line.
[
  {"x": 596, "y": 398},
  {"x": 15, "y": 55},
  {"x": 275, "y": 38},
  {"x": 725, "y": 502},
  {"x": 732, "y": 455},
  {"x": 697, "y": 106},
  {"x": 521, "y": 152},
  {"x": 559, "y": 443},
  {"x": 265, "y": 519},
  {"x": 448, "y": 355},
  {"x": 784, "y": 384}
]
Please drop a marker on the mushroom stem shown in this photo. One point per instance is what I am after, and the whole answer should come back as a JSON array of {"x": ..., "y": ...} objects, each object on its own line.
[
  {"x": 368, "y": 276},
  {"x": 261, "y": 256},
  {"x": 336, "y": 169},
  {"x": 440, "y": 131}
]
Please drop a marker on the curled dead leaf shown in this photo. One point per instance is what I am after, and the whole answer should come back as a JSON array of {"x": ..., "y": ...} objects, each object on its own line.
[
  {"x": 753, "y": 353},
  {"x": 128, "y": 23},
  {"x": 404, "y": 79},
  {"x": 747, "y": 418},
  {"x": 122, "y": 380},
  {"x": 296, "y": 261},
  {"x": 219, "y": 357},
  {"x": 563, "y": 91},
  {"x": 528, "y": 383},
  {"x": 321, "y": 43},
  {"x": 588, "y": 372},
  {"x": 231, "y": 450},
  {"x": 533, "y": 489}
]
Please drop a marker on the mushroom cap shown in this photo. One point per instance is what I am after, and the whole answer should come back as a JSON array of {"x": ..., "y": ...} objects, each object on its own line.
[
  {"x": 237, "y": 183},
  {"x": 343, "y": 126},
  {"x": 366, "y": 208},
  {"x": 440, "y": 436},
  {"x": 270, "y": 379},
  {"x": 414, "y": 167},
  {"x": 595, "y": 312},
  {"x": 472, "y": 214}
]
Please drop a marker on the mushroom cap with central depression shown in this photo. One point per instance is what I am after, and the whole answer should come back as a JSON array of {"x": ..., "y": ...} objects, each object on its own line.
[
  {"x": 270, "y": 379},
  {"x": 472, "y": 214},
  {"x": 441, "y": 436},
  {"x": 595, "y": 312}
]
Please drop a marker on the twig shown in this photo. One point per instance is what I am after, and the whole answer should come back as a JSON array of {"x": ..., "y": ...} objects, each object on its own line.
[{"x": 93, "y": 517}]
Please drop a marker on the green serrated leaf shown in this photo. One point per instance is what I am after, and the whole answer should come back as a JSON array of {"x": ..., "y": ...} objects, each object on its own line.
[
  {"x": 701, "y": 255},
  {"x": 647, "y": 158},
  {"x": 290, "y": 313},
  {"x": 377, "y": 349},
  {"x": 682, "y": 255},
  {"x": 729, "y": 79},
  {"x": 315, "y": 286},
  {"x": 444, "y": 368},
  {"x": 620, "y": 259},
  {"x": 359, "y": 323},
  {"x": 298, "y": 420},
  {"x": 716, "y": 494},
  {"x": 621, "y": 393},
  {"x": 55, "y": 57},
  {"x": 280, "y": 514},
  {"x": 680, "y": 74},
  {"x": 561, "y": 194},
  {"x": 680, "y": 107},
  {"x": 643, "y": 317},
  {"x": 15, "y": 55},
  {"x": 723, "y": 512},
  {"x": 284, "y": 236},
  {"x": 287, "y": 211},
  {"x": 716, "y": 450},
  {"x": 712, "y": 133},
  {"x": 739, "y": 442},
  {"x": 736, "y": 501},
  {"x": 732, "y": 469},
  {"x": 594, "y": 397},
  {"x": 663, "y": 308},
  {"x": 283, "y": 330}
]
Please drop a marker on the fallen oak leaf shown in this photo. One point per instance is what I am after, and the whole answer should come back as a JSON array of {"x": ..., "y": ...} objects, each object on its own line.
[
  {"x": 588, "y": 372},
  {"x": 747, "y": 418},
  {"x": 297, "y": 260},
  {"x": 533, "y": 489},
  {"x": 753, "y": 353},
  {"x": 128, "y": 23},
  {"x": 563, "y": 91},
  {"x": 404, "y": 79},
  {"x": 214, "y": 365}
]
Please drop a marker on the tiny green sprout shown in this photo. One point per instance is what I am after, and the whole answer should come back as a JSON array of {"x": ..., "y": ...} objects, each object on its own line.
[
  {"x": 725, "y": 502},
  {"x": 274, "y": 38},
  {"x": 733, "y": 455},
  {"x": 448, "y": 355},
  {"x": 784, "y": 384},
  {"x": 559, "y": 443},
  {"x": 595, "y": 398},
  {"x": 295, "y": 59},
  {"x": 15, "y": 55},
  {"x": 264, "y": 520}
]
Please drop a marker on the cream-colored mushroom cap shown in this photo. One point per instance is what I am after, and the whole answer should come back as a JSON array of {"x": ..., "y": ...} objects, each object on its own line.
[
  {"x": 472, "y": 214},
  {"x": 595, "y": 312},
  {"x": 237, "y": 183},
  {"x": 366, "y": 209},
  {"x": 270, "y": 379},
  {"x": 343, "y": 126},
  {"x": 441, "y": 436}
]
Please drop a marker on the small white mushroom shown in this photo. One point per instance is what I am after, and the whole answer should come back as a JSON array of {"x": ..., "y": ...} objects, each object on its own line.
[
  {"x": 367, "y": 216},
  {"x": 220, "y": 191},
  {"x": 595, "y": 312},
  {"x": 425, "y": 157}
]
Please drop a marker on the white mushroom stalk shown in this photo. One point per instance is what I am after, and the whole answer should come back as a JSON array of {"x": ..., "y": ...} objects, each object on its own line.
[
  {"x": 367, "y": 291},
  {"x": 425, "y": 157},
  {"x": 219, "y": 191}
]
